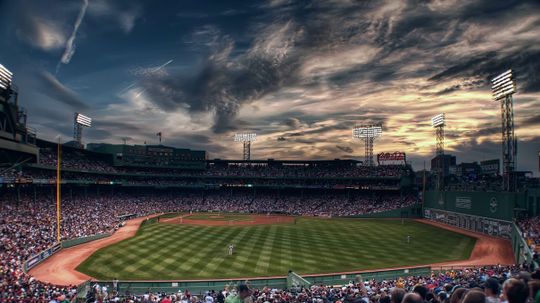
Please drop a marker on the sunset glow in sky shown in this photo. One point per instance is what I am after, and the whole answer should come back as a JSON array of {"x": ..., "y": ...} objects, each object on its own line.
[{"x": 300, "y": 74}]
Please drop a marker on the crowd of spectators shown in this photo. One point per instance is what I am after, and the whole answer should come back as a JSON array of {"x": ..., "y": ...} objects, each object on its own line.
[
  {"x": 27, "y": 223},
  {"x": 27, "y": 227},
  {"x": 530, "y": 227},
  {"x": 79, "y": 160},
  {"x": 474, "y": 182},
  {"x": 74, "y": 159},
  {"x": 37, "y": 175},
  {"x": 490, "y": 284}
]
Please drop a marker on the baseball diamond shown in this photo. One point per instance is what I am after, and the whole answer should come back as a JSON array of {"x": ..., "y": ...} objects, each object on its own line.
[{"x": 162, "y": 251}]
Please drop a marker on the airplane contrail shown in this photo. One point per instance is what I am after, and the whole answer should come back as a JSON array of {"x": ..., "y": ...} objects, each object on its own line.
[{"x": 162, "y": 66}]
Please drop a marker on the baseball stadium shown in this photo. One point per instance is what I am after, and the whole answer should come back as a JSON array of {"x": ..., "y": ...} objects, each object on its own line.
[
  {"x": 160, "y": 219},
  {"x": 97, "y": 218}
]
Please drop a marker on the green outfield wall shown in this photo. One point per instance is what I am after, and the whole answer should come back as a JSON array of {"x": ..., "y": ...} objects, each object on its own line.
[
  {"x": 77, "y": 241},
  {"x": 495, "y": 205}
]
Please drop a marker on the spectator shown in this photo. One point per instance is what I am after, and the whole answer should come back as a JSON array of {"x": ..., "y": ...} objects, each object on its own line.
[
  {"x": 474, "y": 296},
  {"x": 457, "y": 295},
  {"x": 243, "y": 292},
  {"x": 412, "y": 298},
  {"x": 515, "y": 291},
  {"x": 492, "y": 290},
  {"x": 397, "y": 295}
]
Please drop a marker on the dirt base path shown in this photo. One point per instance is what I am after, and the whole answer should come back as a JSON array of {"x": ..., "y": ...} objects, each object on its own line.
[
  {"x": 253, "y": 220},
  {"x": 59, "y": 269},
  {"x": 488, "y": 250}
]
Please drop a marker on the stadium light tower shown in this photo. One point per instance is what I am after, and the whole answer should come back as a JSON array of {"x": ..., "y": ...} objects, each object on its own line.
[
  {"x": 80, "y": 121},
  {"x": 438, "y": 122},
  {"x": 367, "y": 133},
  {"x": 246, "y": 139},
  {"x": 503, "y": 87},
  {"x": 5, "y": 78}
]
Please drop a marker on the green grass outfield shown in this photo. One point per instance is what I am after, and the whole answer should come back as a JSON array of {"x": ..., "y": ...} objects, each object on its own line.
[{"x": 173, "y": 252}]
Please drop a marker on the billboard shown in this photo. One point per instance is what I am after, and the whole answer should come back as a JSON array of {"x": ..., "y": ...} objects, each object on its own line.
[
  {"x": 395, "y": 158},
  {"x": 490, "y": 167},
  {"x": 36, "y": 259}
]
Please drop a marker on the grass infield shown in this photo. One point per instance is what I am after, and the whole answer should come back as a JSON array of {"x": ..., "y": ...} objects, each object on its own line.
[{"x": 173, "y": 252}]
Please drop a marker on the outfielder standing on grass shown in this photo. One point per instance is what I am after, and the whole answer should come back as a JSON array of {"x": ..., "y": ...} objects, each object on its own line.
[{"x": 231, "y": 249}]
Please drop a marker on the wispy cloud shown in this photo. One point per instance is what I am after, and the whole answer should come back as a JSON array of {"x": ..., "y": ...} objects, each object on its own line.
[
  {"x": 122, "y": 15},
  {"x": 42, "y": 34},
  {"x": 49, "y": 86},
  {"x": 37, "y": 29}
]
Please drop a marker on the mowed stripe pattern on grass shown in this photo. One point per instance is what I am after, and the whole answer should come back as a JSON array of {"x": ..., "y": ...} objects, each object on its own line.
[{"x": 171, "y": 252}]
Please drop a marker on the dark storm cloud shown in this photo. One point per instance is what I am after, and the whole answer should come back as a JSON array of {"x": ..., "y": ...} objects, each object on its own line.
[
  {"x": 52, "y": 88},
  {"x": 292, "y": 123},
  {"x": 482, "y": 131},
  {"x": 526, "y": 66},
  {"x": 226, "y": 81},
  {"x": 346, "y": 149},
  {"x": 118, "y": 125},
  {"x": 98, "y": 133},
  {"x": 232, "y": 76},
  {"x": 465, "y": 85},
  {"x": 534, "y": 120},
  {"x": 321, "y": 129},
  {"x": 223, "y": 84}
]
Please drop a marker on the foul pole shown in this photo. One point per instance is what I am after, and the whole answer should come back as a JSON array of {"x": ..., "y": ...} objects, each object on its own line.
[{"x": 58, "y": 211}]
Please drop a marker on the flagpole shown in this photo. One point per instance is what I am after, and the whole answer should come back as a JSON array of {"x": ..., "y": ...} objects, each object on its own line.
[{"x": 58, "y": 211}]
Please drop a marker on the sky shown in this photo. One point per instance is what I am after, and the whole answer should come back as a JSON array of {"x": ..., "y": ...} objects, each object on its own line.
[{"x": 299, "y": 74}]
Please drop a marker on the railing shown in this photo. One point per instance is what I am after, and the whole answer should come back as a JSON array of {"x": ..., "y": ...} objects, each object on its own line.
[{"x": 201, "y": 286}]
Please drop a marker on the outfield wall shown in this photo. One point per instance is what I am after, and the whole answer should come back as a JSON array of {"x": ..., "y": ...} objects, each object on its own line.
[
  {"x": 491, "y": 213},
  {"x": 199, "y": 287},
  {"x": 494, "y": 205},
  {"x": 489, "y": 226},
  {"x": 77, "y": 241},
  {"x": 45, "y": 254}
]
